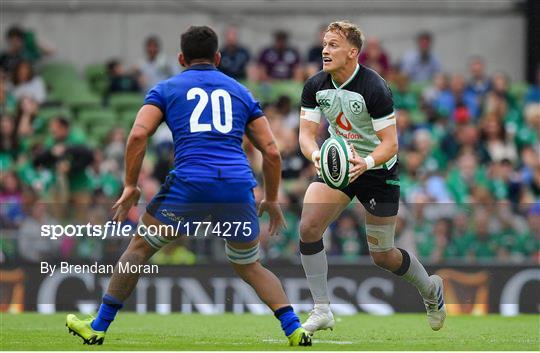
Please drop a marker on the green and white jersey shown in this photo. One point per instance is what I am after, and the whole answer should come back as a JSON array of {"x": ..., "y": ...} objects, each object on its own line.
[{"x": 355, "y": 110}]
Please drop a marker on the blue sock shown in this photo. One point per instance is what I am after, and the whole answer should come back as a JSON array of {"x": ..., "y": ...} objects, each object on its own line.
[
  {"x": 289, "y": 321},
  {"x": 107, "y": 312}
]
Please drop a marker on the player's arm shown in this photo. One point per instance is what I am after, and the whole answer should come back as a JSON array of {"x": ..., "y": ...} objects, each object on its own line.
[
  {"x": 259, "y": 133},
  {"x": 387, "y": 149},
  {"x": 308, "y": 140},
  {"x": 381, "y": 108},
  {"x": 147, "y": 121},
  {"x": 310, "y": 119}
]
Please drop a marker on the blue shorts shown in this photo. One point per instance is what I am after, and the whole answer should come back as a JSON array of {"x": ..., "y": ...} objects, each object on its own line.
[{"x": 204, "y": 207}]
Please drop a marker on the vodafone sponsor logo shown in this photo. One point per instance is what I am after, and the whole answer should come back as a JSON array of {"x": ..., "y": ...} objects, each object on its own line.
[
  {"x": 343, "y": 122},
  {"x": 348, "y": 135}
]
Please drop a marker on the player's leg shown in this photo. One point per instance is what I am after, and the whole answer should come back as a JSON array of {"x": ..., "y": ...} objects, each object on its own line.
[
  {"x": 244, "y": 257},
  {"x": 378, "y": 191},
  {"x": 322, "y": 205},
  {"x": 380, "y": 236},
  {"x": 121, "y": 285}
]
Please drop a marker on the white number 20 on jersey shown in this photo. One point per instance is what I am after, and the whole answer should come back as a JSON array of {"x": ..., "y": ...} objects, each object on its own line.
[{"x": 215, "y": 99}]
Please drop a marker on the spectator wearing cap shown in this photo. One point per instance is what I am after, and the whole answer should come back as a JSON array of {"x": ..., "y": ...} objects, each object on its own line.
[
  {"x": 280, "y": 61},
  {"x": 421, "y": 64},
  {"x": 234, "y": 56}
]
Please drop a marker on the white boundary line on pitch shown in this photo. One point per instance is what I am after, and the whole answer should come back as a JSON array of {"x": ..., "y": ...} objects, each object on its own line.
[
  {"x": 274, "y": 340},
  {"x": 292, "y": 348}
]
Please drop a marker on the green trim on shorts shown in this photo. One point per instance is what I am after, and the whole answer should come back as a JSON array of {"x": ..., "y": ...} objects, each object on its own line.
[{"x": 393, "y": 182}]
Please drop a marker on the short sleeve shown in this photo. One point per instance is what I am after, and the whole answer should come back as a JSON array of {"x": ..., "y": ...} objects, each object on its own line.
[
  {"x": 309, "y": 99},
  {"x": 380, "y": 103},
  {"x": 156, "y": 97},
  {"x": 309, "y": 109},
  {"x": 255, "y": 110}
]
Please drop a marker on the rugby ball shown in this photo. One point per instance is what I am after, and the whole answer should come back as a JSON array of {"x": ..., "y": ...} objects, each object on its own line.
[{"x": 335, "y": 165}]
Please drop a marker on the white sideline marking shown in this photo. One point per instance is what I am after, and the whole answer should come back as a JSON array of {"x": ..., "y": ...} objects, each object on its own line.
[{"x": 273, "y": 340}]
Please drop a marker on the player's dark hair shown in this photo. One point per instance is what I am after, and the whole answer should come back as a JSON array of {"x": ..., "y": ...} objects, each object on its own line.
[{"x": 199, "y": 42}]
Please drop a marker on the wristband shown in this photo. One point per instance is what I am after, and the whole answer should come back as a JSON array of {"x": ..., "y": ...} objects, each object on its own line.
[
  {"x": 315, "y": 154},
  {"x": 370, "y": 162}
]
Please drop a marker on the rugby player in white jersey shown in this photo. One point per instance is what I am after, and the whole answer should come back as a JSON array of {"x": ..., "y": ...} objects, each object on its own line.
[{"x": 358, "y": 105}]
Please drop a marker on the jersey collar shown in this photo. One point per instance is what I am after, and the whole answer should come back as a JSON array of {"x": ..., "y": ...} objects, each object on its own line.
[
  {"x": 201, "y": 67},
  {"x": 348, "y": 80}
]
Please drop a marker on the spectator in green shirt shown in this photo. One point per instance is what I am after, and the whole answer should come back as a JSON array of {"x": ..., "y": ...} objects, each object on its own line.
[
  {"x": 442, "y": 234},
  {"x": 69, "y": 156},
  {"x": 461, "y": 237},
  {"x": 529, "y": 133},
  {"x": 484, "y": 244},
  {"x": 529, "y": 244},
  {"x": 348, "y": 237},
  {"x": 403, "y": 97},
  {"x": 467, "y": 179}
]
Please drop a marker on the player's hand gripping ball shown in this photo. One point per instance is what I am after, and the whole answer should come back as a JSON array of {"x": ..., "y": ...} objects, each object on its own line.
[{"x": 335, "y": 165}]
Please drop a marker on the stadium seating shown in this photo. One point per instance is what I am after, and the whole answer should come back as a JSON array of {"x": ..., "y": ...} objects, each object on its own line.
[
  {"x": 96, "y": 76},
  {"x": 127, "y": 117},
  {"x": 55, "y": 72},
  {"x": 290, "y": 89},
  {"x": 90, "y": 117},
  {"x": 47, "y": 113},
  {"x": 125, "y": 101}
]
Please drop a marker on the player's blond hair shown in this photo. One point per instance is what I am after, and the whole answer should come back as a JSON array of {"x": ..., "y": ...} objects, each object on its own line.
[{"x": 350, "y": 31}]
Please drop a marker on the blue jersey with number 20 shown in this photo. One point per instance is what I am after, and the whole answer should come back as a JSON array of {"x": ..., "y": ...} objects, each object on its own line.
[{"x": 207, "y": 112}]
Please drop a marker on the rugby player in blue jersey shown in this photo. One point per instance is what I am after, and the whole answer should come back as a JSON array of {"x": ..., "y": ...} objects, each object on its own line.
[{"x": 208, "y": 114}]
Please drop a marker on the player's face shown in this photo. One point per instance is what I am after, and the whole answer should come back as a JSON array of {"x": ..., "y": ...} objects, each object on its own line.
[{"x": 337, "y": 52}]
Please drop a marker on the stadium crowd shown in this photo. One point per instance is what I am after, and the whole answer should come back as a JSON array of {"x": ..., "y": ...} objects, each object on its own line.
[{"x": 469, "y": 151}]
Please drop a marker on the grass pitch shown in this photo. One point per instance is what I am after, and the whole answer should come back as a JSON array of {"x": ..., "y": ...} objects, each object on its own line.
[{"x": 251, "y": 332}]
